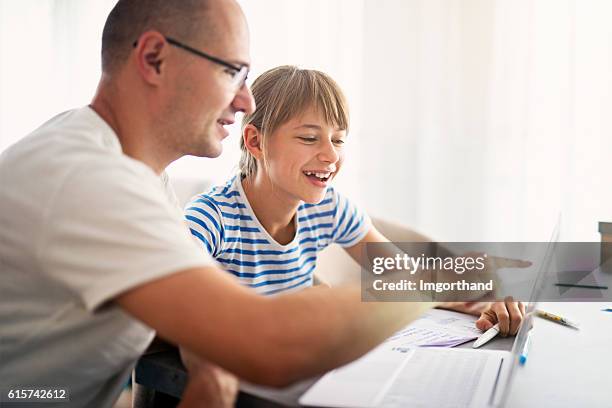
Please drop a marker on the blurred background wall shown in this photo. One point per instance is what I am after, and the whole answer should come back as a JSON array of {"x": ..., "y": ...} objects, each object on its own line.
[{"x": 471, "y": 119}]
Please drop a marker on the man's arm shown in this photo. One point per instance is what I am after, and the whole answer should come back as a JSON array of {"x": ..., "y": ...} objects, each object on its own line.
[
  {"x": 508, "y": 314},
  {"x": 267, "y": 340}
]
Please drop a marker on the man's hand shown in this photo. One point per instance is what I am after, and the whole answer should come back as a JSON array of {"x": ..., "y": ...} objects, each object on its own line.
[
  {"x": 509, "y": 314},
  {"x": 208, "y": 384},
  {"x": 475, "y": 275},
  {"x": 492, "y": 265}
]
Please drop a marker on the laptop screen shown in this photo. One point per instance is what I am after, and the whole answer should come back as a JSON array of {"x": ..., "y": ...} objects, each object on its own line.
[{"x": 538, "y": 288}]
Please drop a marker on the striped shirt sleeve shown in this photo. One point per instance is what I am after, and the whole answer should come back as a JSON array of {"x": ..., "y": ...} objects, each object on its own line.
[
  {"x": 351, "y": 224},
  {"x": 205, "y": 223}
]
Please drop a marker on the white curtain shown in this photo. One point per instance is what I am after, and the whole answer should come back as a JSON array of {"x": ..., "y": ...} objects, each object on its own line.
[
  {"x": 499, "y": 116},
  {"x": 471, "y": 119},
  {"x": 49, "y": 60}
]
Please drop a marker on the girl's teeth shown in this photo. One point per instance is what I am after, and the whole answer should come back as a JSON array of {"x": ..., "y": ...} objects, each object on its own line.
[{"x": 319, "y": 175}]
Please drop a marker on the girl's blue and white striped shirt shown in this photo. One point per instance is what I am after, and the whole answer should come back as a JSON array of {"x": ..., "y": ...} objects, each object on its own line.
[{"x": 223, "y": 222}]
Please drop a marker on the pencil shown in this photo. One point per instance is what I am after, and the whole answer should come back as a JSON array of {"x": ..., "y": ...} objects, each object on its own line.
[{"x": 556, "y": 318}]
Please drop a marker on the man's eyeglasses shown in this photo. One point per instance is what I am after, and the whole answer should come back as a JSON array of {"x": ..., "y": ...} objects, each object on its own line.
[{"x": 238, "y": 73}]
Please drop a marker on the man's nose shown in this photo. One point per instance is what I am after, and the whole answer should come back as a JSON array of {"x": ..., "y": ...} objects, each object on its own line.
[{"x": 244, "y": 101}]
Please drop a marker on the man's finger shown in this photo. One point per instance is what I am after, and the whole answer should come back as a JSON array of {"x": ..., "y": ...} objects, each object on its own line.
[{"x": 500, "y": 262}]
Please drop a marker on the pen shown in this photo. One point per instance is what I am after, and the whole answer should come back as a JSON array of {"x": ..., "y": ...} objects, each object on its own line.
[
  {"x": 525, "y": 351},
  {"x": 486, "y": 336},
  {"x": 556, "y": 318},
  {"x": 609, "y": 309}
]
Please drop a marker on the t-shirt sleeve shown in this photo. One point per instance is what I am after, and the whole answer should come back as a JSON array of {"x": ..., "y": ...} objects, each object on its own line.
[
  {"x": 109, "y": 228},
  {"x": 351, "y": 224},
  {"x": 205, "y": 223}
]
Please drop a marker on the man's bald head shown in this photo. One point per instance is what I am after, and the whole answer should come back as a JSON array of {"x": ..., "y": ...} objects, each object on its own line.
[
  {"x": 184, "y": 20},
  {"x": 162, "y": 100}
]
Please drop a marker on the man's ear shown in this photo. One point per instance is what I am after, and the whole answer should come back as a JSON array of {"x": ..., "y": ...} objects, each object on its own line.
[
  {"x": 252, "y": 138},
  {"x": 151, "y": 52}
]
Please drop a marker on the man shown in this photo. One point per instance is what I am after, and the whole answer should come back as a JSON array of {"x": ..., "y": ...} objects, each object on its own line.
[{"x": 94, "y": 253}]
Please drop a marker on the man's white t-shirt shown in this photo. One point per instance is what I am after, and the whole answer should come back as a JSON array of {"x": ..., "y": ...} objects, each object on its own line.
[{"x": 80, "y": 223}]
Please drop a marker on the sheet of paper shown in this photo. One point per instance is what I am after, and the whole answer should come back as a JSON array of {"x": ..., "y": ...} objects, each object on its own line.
[
  {"x": 436, "y": 328},
  {"x": 419, "y": 386}
]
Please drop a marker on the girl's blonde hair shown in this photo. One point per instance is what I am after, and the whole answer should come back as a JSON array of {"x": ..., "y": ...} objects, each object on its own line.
[{"x": 285, "y": 92}]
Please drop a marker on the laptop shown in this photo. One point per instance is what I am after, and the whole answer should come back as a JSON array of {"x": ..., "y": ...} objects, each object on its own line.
[{"x": 430, "y": 377}]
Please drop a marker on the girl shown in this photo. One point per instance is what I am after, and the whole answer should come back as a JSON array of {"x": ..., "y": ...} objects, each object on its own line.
[{"x": 267, "y": 224}]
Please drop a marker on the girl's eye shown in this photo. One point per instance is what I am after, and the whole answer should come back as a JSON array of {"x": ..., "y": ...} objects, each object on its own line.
[
  {"x": 339, "y": 142},
  {"x": 308, "y": 139}
]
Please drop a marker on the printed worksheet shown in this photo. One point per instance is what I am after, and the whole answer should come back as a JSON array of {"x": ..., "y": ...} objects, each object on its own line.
[{"x": 436, "y": 328}]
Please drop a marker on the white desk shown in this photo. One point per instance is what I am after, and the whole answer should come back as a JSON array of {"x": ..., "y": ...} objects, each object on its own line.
[{"x": 566, "y": 367}]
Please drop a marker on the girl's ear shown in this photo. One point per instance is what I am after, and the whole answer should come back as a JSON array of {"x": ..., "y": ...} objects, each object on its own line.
[{"x": 252, "y": 138}]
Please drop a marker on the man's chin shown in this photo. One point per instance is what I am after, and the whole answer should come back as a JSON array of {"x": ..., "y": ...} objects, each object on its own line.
[
  {"x": 215, "y": 153},
  {"x": 210, "y": 151}
]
